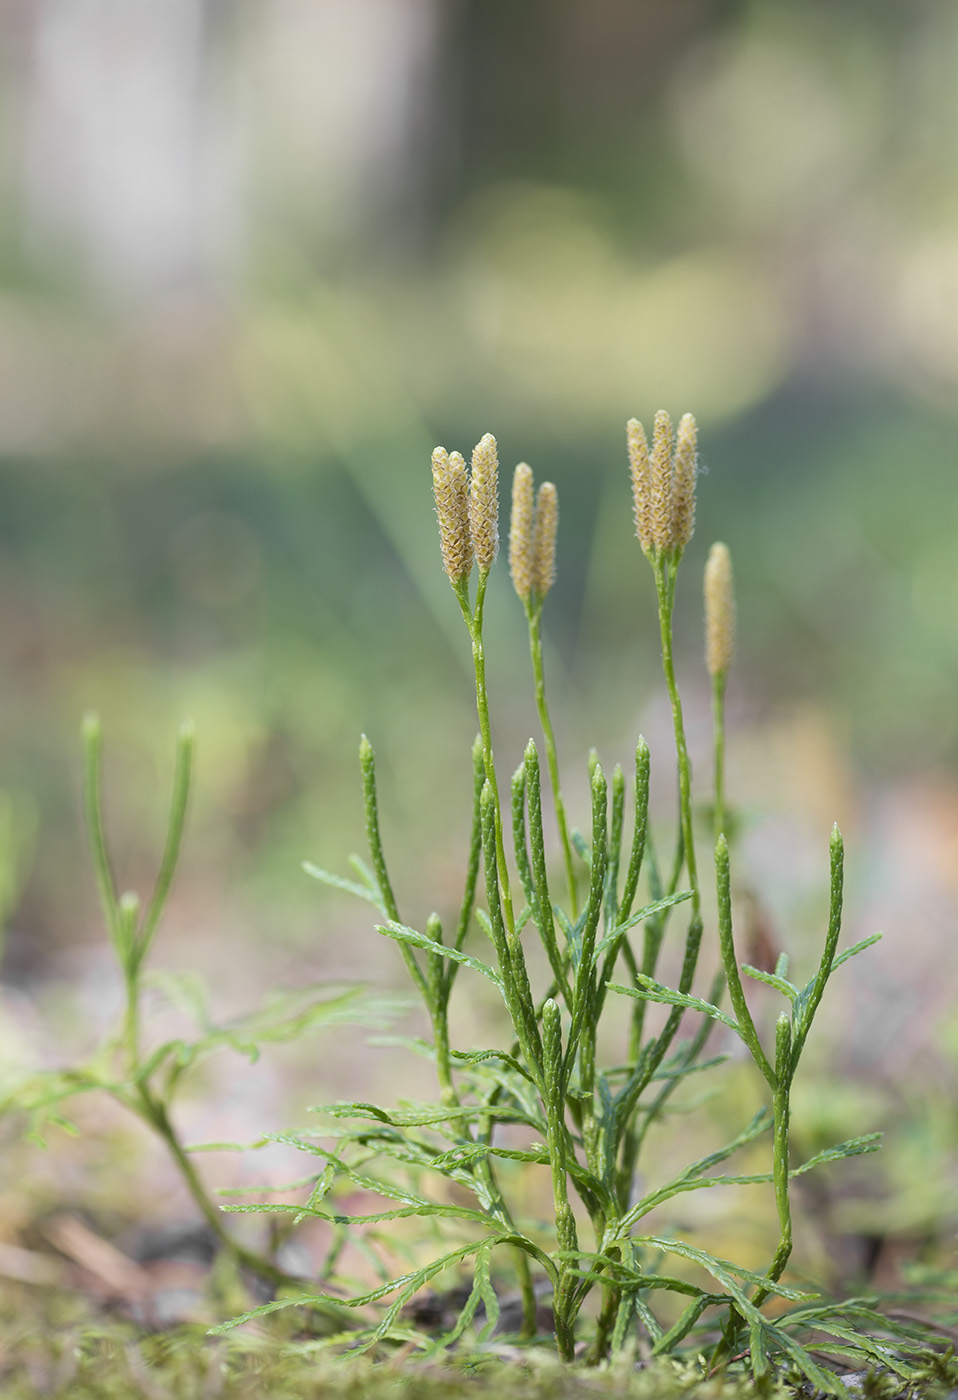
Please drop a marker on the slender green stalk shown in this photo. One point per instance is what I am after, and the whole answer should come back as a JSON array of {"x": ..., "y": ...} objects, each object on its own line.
[
  {"x": 534, "y": 616},
  {"x": 719, "y": 682},
  {"x": 730, "y": 965},
  {"x": 128, "y": 909},
  {"x": 482, "y": 1169},
  {"x": 664, "y": 568},
  {"x": 545, "y": 921},
  {"x": 473, "y": 618},
  {"x": 367, "y": 763},
  {"x": 583, "y": 1029},
  {"x": 93, "y": 813},
  {"x": 182, "y": 775},
  {"x": 439, "y": 1012},
  {"x": 780, "y": 1107},
  {"x": 640, "y": 828},
  {"x": 780, "y": 1139},
  {"x": 155, "y": 1115},
  {"x": 665, "y": 571},
  {"x": 616, "y": 826},
  {"x": 803, "y": 1021},
  {"x": 566, "y": 1235}
]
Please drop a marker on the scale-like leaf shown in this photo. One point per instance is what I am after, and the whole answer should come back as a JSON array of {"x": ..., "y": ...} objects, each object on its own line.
[
  {"x": 402, "y": 934},
  {"x": 723, "y": 1270},
  {"x": 853, "y": 1147},
  {"x": 420, "y": 1119},
  {"x": 478, "y": 1057},
  {"x": 424, "y": 1210},
  {"x": 366, "y": 876},
  {"x": 781, "y": 984},
  {"x": 650, "y": 990},
  {"x": 859, "y": 1344},
  {"x": 304, "y": 1300},
  {"x": 820, "y": 1377},
  {"x": 855, "y": 949},
  {"x": 581, "y": 845},
  {"x": 338, "y": 882},
  {"x": 667, "y": 902},
  {"x": 683, "y": 1325}
]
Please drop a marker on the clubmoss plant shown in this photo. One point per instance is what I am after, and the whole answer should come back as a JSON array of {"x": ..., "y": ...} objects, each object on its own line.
[
  {"x": 588, "y": 1120},
  {"x": 146, "y": 1076}
]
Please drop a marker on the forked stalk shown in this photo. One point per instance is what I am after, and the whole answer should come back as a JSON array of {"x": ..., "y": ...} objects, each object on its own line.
[{"x": 132, "y": 934}]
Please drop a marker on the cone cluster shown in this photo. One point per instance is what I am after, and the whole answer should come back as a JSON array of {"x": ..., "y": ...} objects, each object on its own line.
[
  {"x": 467, "y": 508},
  {"x": 663, "y": 483},
  {"x": 532, "y": 535}
]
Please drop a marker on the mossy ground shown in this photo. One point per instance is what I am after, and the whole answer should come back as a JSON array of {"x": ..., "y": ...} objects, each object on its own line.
[{"x": 62, "y": 1347}]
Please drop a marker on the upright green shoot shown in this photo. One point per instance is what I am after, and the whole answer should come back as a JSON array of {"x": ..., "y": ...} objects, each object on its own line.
[{"x": 532, "y": 553}]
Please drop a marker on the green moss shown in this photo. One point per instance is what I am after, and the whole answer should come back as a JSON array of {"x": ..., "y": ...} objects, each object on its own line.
[{"x": 59, "y": 1346}]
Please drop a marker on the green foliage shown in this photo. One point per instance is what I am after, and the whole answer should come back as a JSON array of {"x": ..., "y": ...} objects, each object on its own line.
[{"x": 588, "y": 1122}]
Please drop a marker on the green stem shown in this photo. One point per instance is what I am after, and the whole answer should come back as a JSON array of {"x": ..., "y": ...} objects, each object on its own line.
[
  {"x": 484, "y": 1171},
  {"x": 154, "y": 1114},
  {"x": 780, "y": 1108},
  {"x": 174, "y": 839},
  {"x": 611, "y": 1299},
  {"x": 367, "y": 763},
  {"x": 664, "y": 569},
  {"x": 496, "y": 1205},
  {"x": 473, "y": 620},
  {"x": 736, "y": 991},
  {"x": 131, "y": 1022},
  {"x": 719, "y": 681},
  {"x": 534, "y": 615},
  {"x": 553, "y": 1097}
]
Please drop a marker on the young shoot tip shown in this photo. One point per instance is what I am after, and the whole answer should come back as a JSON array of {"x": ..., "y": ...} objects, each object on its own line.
[
  {"x": 129, "y": 905},
  {"x": 91, "y": 728}
]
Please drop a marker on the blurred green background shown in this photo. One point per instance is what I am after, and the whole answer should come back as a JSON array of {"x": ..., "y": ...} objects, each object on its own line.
[{"x": 258, "y": 258}]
